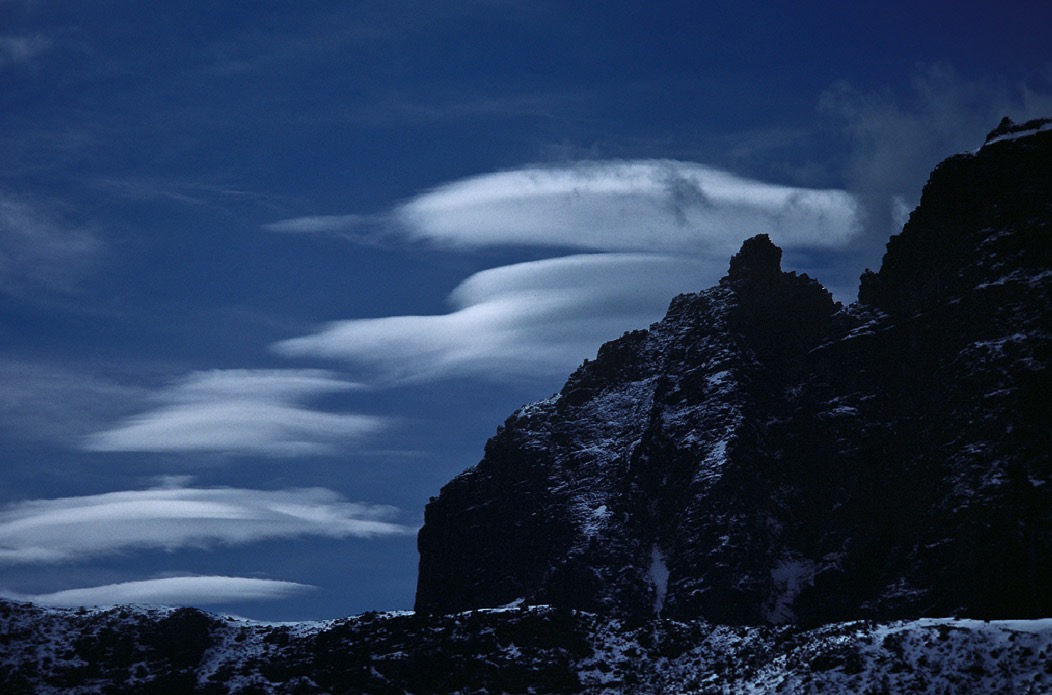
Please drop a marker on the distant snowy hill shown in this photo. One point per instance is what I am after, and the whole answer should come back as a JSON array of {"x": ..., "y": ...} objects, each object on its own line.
[{"x": 763, "y": 492}]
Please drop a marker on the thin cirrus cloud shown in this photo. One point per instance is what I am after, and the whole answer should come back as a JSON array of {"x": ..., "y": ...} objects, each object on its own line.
[
  {"x": 519, "y": 321},
  {"x": 72, "y": 529},
  {"x": 661, "y": 227},
  {"x": 196, "y": 590},
  {"x": 48, "y": 401},
  {"x": 38, "y": 251},
  {"x": 242, "y": 411},
  {"x": 22, "y": 49}
]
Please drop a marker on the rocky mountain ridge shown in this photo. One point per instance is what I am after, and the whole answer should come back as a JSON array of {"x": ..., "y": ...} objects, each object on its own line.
[
  {"x": 762, "y": 455},
  {"x": 518, "y": 649}
]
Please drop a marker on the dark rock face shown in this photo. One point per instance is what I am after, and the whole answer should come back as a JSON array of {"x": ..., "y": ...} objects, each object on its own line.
[{"x": 763, "y": 455}]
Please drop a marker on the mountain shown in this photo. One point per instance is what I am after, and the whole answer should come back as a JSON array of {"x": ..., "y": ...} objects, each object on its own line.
[
  {"x": 763, "y": 455},
  {"x": 765, "y": 491}
]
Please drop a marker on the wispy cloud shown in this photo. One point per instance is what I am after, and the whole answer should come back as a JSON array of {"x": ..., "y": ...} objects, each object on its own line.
[
  {"x": 242, "y": 411},
  {"x": 38, "y": 251},
  {"x": 319, "y": 224},
  {"x": 646, "y": 205},
  {"x": 217, "y": 196},
  {"x": 79, "y": 528},
  {"x": 416, "y": 108},
  {"x": 896, "y": 139},
  {"x": 190, "y": 590},
  {"x": 523, "y": 320},
  {"x": 45, "y": 401},
  {"x": 22, "y": 49}
]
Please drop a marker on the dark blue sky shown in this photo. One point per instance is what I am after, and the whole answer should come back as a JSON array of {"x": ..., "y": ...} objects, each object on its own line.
[{"x": 272, "y": 272}]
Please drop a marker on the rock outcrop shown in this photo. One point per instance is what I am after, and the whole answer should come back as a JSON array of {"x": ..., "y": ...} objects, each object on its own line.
[{"x": 764, "y": 455}]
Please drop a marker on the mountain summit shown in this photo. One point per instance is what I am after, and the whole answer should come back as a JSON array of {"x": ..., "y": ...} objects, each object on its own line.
[{"x": 763, "y": 455}]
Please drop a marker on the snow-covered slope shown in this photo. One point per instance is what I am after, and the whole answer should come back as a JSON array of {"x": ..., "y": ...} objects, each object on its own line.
[{"x": 521, "y": 649}]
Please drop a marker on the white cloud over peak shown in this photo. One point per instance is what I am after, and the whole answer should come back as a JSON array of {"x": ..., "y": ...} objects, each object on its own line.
[
  {"x": 608, "y": 205},
  {"x": 641, "y": 205},
  {"x": 536, "y": 318},
  {"x": 663, "y": 227},
  {"x": 78, "y": 528},
  {"x": 242, "y": 411},
  {"x": 195, "y": 590}
]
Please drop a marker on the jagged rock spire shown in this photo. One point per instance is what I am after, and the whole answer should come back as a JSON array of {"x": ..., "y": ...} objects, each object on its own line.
[{"x": 758, "y": 259}]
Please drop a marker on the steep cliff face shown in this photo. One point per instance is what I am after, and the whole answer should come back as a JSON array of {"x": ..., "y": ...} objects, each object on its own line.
[{"x": 763, "y": 455}]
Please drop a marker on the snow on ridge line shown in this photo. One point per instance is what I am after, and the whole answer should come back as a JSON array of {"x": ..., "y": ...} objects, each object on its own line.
[{"x": 1018, "y": 134}]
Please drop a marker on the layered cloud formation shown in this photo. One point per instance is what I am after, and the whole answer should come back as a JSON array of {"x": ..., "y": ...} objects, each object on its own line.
[
  {"x": 663, "y": 227},
  {"x": 241, "y": 411},
  {"x": 515, "y": 321},
  {"x": 172, "y": 590},
  {"x": 79, "y": 528}
]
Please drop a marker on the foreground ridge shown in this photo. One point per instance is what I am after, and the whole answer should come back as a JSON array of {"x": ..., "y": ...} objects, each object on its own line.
[{"x": 516, "y": 649}]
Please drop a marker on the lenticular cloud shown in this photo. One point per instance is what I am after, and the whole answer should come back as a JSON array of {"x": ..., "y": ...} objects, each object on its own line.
[
  {"x": 647, "y": 205},
  {"x": 78, "y": 528},
  {"x": 661, "y": 227},
  {"x": 523, "y": 320},
  {"x": 241, "y": 411},
  {"x": 172, "y": 590}
]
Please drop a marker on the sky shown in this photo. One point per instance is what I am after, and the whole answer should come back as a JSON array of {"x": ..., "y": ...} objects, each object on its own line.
[{"x": 271, "y": 273}]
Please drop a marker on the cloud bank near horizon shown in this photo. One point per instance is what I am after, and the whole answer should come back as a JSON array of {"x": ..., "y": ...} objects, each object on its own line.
[
  {"x": 242, "y": 411},
  {"x": 186, "y": 590},
  {"x": 71, "y": 529}
]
